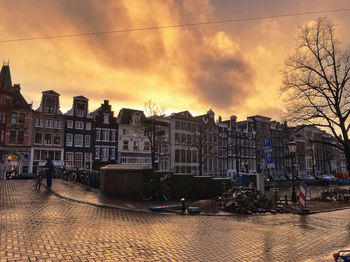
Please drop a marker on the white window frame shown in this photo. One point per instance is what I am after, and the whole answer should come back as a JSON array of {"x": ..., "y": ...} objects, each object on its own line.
[
  {"x": 81, "y": 138},
  {"x": 69, "y": 139},
  {"x": 77, "y": 154},
  {"x": 42, "y": 137},
  {"x": 87, "y": 141},
  {"x": 97, "y": 152},
  {"x": 113, "y": 135},
  {"x": 70, "y": 123},
  {"x": 88, "y": 126},
  {"x": 98, "y": 134},
  {"x": 112, "y": 152},
  {"x": 79, "y": 125},
  {"x": 124, "y": 144},
  {"x": 69, "y": 162},
  {"x": 106, "y": 118},
  {"x": 45, "y": 139}
]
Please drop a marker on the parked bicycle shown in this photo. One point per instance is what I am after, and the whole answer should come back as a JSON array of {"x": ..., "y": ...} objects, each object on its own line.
[
  {"x": 69, "y": 174},
  {"x": 157, "y": 188},
  {"x": 39, "y": 177}
]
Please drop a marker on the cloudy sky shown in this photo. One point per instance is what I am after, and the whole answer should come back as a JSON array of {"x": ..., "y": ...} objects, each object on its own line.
[{"x": 233, "y": 68}]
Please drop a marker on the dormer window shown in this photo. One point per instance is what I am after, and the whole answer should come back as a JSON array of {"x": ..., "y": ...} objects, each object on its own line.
[
  {"x": 137, "y": 119},
  {"x": 50, "y": 105},
  {"x": 80, "y": 109}
]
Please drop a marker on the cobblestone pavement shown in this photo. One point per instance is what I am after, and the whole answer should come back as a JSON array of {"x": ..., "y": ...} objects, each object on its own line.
[{"x": 39, "y": 226}]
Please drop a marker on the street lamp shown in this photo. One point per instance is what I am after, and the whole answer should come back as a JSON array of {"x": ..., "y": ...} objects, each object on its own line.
[{"x": 292, "y": 146}]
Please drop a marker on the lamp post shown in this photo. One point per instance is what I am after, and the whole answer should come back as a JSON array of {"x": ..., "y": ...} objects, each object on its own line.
[{"x": 292, "y": 146}]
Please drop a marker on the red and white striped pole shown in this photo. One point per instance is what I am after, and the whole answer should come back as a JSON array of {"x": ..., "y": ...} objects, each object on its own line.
[{"x": 302, "y": 196}]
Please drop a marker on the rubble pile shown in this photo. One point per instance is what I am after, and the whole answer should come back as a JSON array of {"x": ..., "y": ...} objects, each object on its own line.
[
  {"x": 336, "y": 194},
  {"x": 207, "y": 206},
  {"x": 244, "y": 200}
]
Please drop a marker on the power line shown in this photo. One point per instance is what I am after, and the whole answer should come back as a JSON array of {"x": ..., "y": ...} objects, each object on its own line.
[{"x": 175, "y": 26}]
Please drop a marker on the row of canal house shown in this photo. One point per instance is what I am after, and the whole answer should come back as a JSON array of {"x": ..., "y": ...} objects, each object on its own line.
[{"x": 182, "y": 143}]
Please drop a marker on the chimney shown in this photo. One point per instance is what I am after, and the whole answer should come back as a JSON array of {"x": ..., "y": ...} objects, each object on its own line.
[{"x": 17, "y": 87}]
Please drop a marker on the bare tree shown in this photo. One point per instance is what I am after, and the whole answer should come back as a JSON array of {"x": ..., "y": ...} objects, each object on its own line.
[
  {"x": 316, "y": 82},
  {"x": 153, "y": 126}
]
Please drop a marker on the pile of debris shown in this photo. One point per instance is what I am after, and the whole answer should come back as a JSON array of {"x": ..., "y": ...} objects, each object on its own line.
[
  {"x": 336, "y": 194},
  {"x": 245, "y": 200}
]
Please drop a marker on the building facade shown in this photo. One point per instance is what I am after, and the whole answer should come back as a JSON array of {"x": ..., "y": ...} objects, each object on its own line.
[
  {"x": 79, "y": 141},
  {"x": 106, "y": 136},
  {"x": 134, "y": 147},
  {"x": 48, "y": 132},
  {"x": 15, "y": 125}
]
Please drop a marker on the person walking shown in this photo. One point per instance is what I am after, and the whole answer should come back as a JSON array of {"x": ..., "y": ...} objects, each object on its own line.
[
  {"x": 49, "y": 172},
  {"x": 8, "y": 169}
]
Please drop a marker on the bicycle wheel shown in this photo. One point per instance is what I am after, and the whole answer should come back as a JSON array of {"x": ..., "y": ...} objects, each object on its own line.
[
  {"x": 167, "y": 194},
  {"x": 147, "y": 192},
  {"x": 72, "y": 177},
  {"x": 38, "y": 184}
]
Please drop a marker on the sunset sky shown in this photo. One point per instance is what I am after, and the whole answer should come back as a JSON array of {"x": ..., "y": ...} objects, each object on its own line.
[{"x": 233, "y": 68}]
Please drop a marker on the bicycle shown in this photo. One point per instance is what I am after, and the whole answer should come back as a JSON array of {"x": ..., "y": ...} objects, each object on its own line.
[
  {"x": 39, "y": 178},
  {"x": 84, "y": 176},
  {"x": 69, "y": 175},
  {"x": 157, "y": 187}
]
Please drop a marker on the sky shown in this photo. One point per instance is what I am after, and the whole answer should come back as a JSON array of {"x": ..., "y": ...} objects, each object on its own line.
[{"x": 232, "y": 68}]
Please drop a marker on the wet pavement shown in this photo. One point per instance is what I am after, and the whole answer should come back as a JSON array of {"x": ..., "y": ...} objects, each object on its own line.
[{"x": 40, "y": 226}]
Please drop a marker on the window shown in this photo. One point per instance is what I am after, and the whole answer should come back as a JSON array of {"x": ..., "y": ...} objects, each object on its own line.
[
  {"x": 146, "y": 146},
  {"x": 183, "y": 139},
  {"x": 194, "y": 156},
  {"x": 39, "y": 122},
  {"x": 106, "y": 118},
  {"x": 183, "y": 156},
  {"x": 79, "y": 125},
  {"x": 2, "y": 136},
  {"x": 38, "y": 138},
  {"x": 113, "y": 135},
  {"x": 98, "y": 134},
  {"x": 20, "y": 135},
  {"x": 57, "y": 140},
  {"x": 125, "y": 145},
  {"x": 177, "y": 155},
  {"x": 58, "y": 124},
  {"x": 87, "y": 141},
  {"x": 47, "y": 139},
  {"x": 69, "y": 139},
  {"x": 97, "y": 152},
  {"x": 112, "y": 152},
  {"x": 105, "y": 152},
  {"x": 78, "y": 160},
  {"x": 80, "y": 109},
  {"x": 177, "y": 139},
  {"x": 105, "y": 135},
  {"x": 88, "y": 126},
  {"x": 13, "y": 119},
  {"x": 136, "y": 145},
  {"x": 78, "y": 140},
  {"x": 188, "y": 156},
  {"x": 69, "y": 123},
  {"x": 20, "y": 119},
  {"x": 137, "y": 119},
  {"x": 69, "y": 158},
  {"x": 12, "y": 137},
  {"x": 87, "y": 160},
  {"x": 49, "y": 123},
  {"x": 50, "y": 105},
  {"x": 2, "y": 117},
  {"x": 177, "y": 125},
  {"x": 124, "y": 131}
]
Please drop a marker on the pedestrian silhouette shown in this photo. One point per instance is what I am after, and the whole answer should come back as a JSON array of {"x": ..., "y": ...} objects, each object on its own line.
[{"x": 49, "y": 172}]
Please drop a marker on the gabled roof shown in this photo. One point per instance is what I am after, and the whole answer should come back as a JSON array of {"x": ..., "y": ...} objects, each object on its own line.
[
  {"x": 81, "y": 98},
  {"x": 5, "y": 79},
  {"x": 51, "y": 92},
  {"x": 125, "y": 115},
  {"x": 18, "y": 96},
  {"x": 184, "y": 115}
]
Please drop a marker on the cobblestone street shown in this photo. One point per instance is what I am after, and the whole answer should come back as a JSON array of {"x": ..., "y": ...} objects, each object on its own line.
[{"x": 39, "y": 226}]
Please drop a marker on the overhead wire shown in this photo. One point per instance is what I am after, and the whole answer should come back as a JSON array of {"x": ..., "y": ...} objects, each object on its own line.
[{"x": 175, "y": 26}]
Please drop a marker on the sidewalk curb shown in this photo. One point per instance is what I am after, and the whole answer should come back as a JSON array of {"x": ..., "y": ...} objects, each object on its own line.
[{"x": 297, "y": 212}]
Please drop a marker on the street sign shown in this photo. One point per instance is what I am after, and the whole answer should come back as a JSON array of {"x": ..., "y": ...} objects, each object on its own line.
[
  {"x": 267, "y": 143},
  {"x": 302, "y": 196},
  {"x": 268, "y": 153},
  {"x": 270, "y": 161}
]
